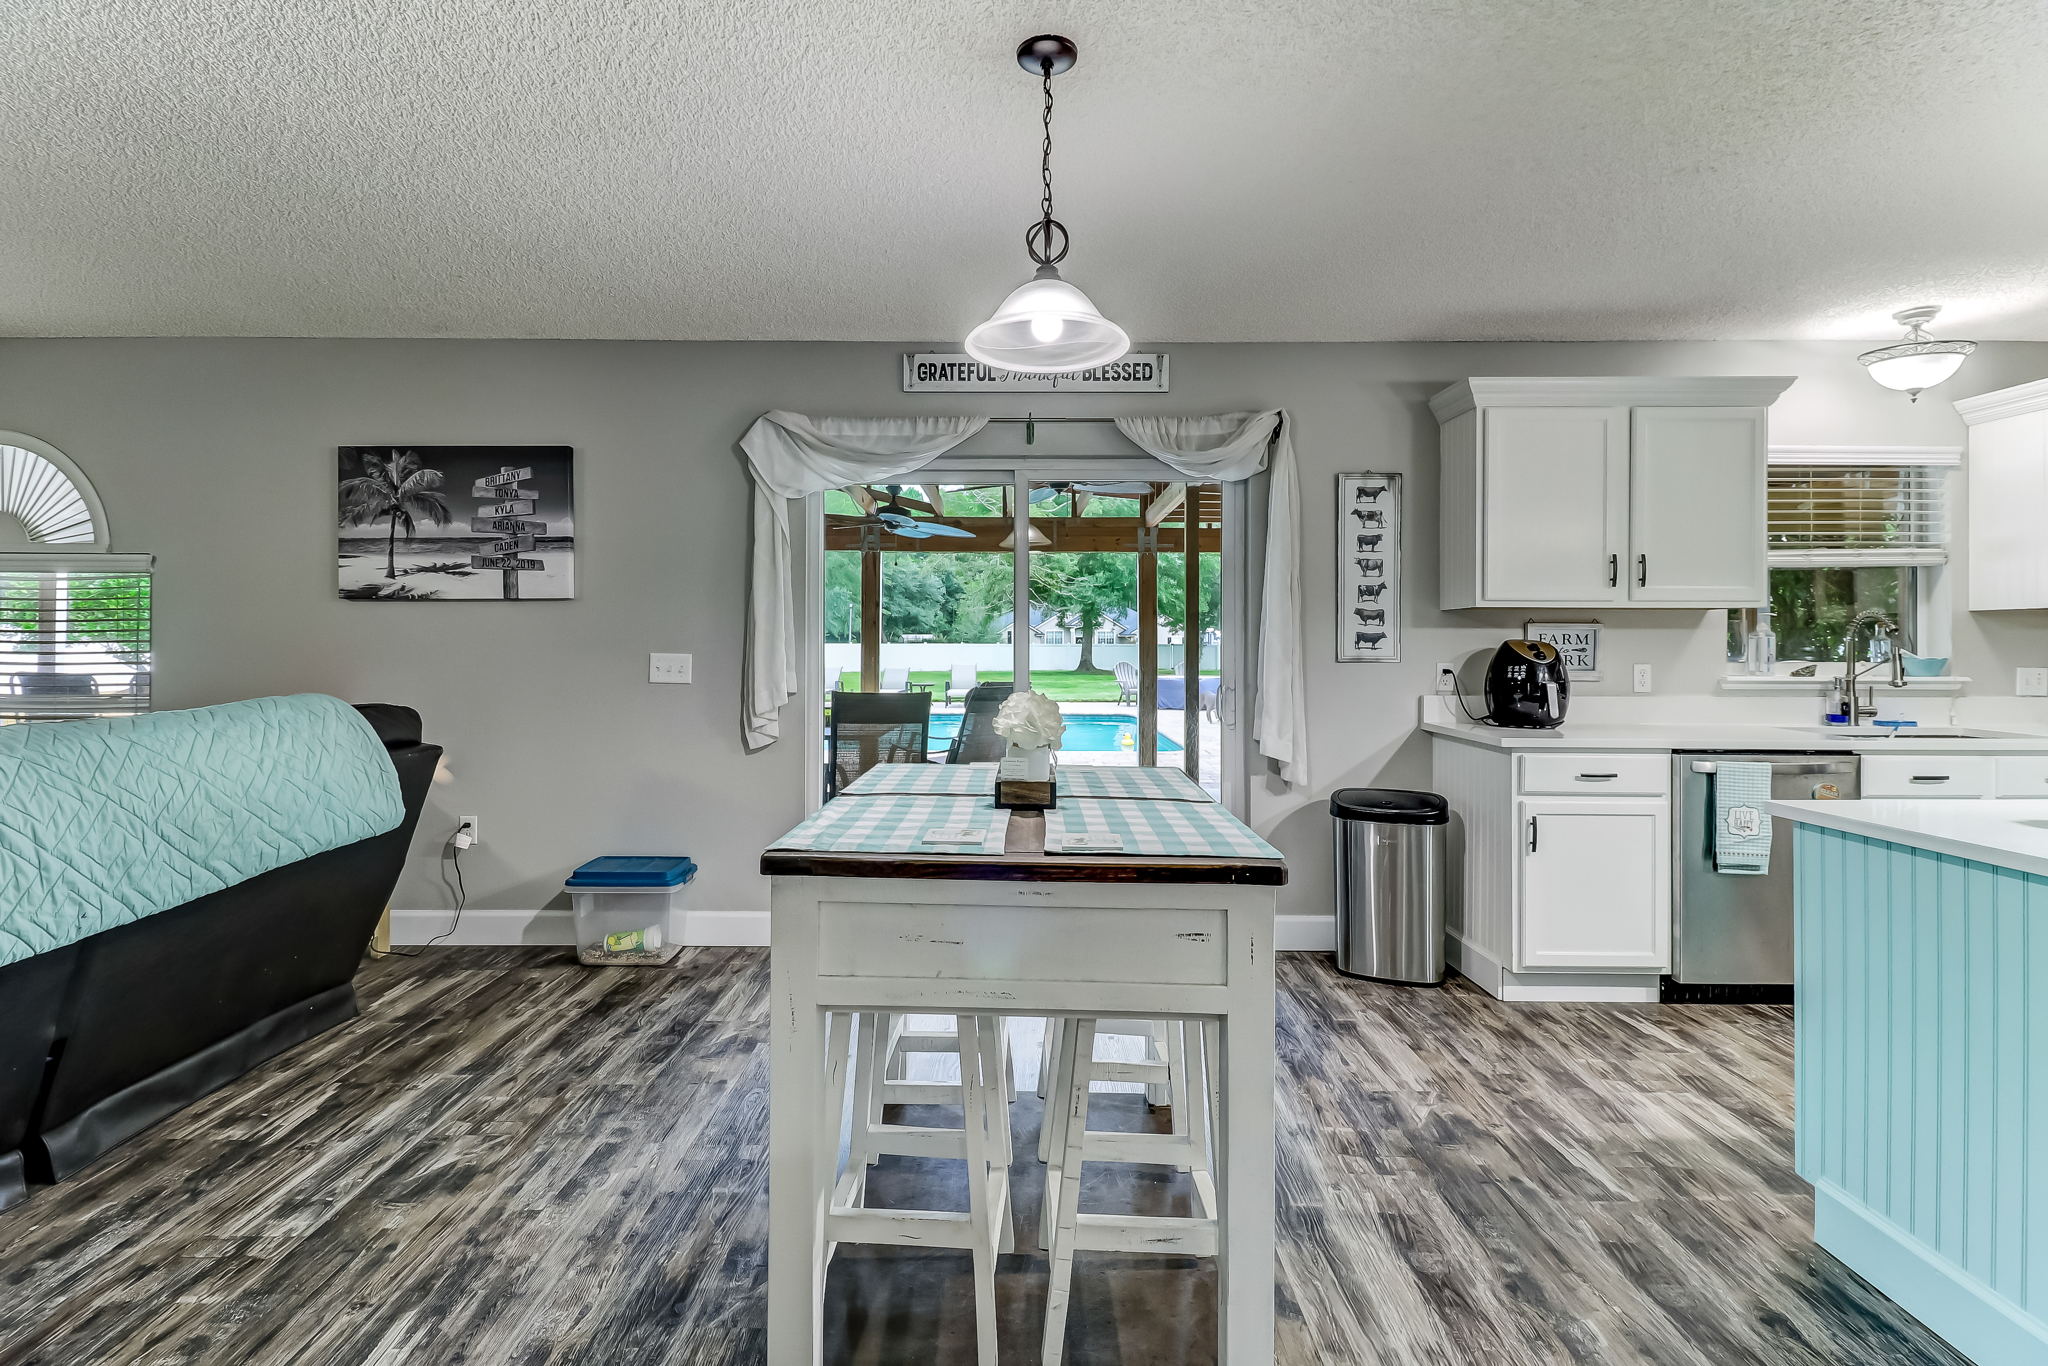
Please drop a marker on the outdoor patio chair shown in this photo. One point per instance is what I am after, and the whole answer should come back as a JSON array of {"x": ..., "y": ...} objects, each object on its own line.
[
  {"x": 1126, "y": 681},
  {"x": 896, "y": 680},
  {"x": 976, "y": 741},
  {"x": 870, "y": 728},
  {"x": 965, "y": 676}
]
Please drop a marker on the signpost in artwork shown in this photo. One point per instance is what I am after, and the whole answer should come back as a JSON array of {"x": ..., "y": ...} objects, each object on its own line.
[{"x": 504, "y": 551}]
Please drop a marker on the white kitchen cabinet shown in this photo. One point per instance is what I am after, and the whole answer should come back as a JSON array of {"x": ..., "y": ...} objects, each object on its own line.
[
  {"x": 1555, "y": 505},
  {"x": 1696, "y": 480},
  {"x": 1595, "y": 885},
  {"x": 1604, "y": 492},
  {"x": 2008, "y": 484}
]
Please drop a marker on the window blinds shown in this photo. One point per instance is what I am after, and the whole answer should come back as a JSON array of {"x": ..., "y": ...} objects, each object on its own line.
[
  {"x": 1827, "y": 512},
  {"x": 74, "y": 635}
]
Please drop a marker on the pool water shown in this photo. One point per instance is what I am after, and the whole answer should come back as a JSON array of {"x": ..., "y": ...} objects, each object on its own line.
[{"x": 1096, "y": 733}]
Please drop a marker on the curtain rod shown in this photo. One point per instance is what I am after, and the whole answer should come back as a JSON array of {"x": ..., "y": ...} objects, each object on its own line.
[{"x": 1028, "y": 418}]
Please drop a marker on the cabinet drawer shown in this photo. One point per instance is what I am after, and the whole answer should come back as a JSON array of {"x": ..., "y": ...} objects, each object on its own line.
[
  {"x": 1928, "y": 775},
  {"x": 2023, "y": 775},
  {"x": 1596, "y": 775}
]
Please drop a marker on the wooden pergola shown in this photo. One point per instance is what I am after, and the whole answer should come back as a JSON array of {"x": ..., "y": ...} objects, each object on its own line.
[{"x": 1173, "y": 519}]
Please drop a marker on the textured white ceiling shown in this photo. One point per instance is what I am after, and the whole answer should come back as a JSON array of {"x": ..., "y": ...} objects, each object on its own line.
[{"x": 1246, "y": 171}]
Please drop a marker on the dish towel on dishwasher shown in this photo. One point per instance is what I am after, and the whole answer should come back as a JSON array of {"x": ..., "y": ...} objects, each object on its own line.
[{"x": 1742, "y": 828}]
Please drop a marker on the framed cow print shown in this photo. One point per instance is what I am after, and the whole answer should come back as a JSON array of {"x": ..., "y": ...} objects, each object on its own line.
[{"x": 1368, "y": 568}]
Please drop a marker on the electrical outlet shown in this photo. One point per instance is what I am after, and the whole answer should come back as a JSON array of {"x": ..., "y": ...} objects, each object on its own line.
[
  {"x": 2030, "y": 682},
  {"x": 1642, "y": 678},
  {"x": 466, "y": 825},
  {"x": 668, "y": 668},
  {"x": 1446, "y": 678}
]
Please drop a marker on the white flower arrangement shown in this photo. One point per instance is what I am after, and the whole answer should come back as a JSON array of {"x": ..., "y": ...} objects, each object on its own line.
[{"x": 1031, "y": 722}]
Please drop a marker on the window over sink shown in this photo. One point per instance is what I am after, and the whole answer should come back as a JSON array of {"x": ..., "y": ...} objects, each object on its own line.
[{"x": 1851, "y": 529}]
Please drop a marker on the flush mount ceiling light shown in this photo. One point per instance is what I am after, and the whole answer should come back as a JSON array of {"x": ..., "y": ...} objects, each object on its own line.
[
  {"x": 1919, "y": 362},
  {"x": 1047, "y": 326}
]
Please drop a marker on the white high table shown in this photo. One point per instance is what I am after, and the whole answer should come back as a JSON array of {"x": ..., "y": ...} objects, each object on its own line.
[{"x": 1021, "y": 933}]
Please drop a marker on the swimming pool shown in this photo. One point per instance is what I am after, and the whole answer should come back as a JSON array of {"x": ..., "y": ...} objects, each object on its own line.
[{"x": 1092, "y": 733}]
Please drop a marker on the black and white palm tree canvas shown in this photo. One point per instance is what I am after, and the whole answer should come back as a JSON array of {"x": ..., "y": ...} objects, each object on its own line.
[{"x": 441, "y": 523}]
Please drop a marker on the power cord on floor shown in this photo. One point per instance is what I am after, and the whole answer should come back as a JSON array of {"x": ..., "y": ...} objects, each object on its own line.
[{"x": 455, "y": 847}]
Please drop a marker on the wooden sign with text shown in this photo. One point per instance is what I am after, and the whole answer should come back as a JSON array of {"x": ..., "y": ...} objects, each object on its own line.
[{"x": 507, "y": 517}]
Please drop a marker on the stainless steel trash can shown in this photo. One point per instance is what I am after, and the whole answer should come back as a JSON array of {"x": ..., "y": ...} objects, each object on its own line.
[{"x": 1390, "y": 884}]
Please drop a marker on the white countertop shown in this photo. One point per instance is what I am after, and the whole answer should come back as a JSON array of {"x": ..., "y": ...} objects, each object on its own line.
[
  {"x": 1744, "y": 736},
  {"x": 2006, "y": 833}
]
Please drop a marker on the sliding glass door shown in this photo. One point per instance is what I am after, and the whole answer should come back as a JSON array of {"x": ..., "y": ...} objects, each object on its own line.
[{"x": 1099, "y": 584}]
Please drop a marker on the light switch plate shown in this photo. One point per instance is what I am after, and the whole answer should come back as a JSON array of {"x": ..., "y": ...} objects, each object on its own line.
[
  {"x": 2030, "y": 682},
  {"x": 1642, "y": 678},
  {"x": 668, "y": 668}
]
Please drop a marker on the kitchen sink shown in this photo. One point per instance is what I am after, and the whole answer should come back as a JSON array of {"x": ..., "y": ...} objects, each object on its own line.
[{"x": 1908, "y": 732}]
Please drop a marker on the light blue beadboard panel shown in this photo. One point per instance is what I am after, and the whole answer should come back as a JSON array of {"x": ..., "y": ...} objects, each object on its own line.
[{"x": 1922, "y": 1082}]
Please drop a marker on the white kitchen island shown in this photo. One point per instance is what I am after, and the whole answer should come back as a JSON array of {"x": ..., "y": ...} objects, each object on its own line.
[
  {"x": 1922, "y": 1058},
  {"x": 1019, "y": 931}
]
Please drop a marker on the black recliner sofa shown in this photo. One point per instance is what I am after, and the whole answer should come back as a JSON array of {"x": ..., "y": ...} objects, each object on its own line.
[{"x": 103, "y": 1038}]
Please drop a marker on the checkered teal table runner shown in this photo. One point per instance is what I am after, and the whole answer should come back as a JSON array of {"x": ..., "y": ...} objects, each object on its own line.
[
  {"x": 924, "y": 780},
  {"x": 900, "y": 824},
  {"x": 1129, "y": 784},
  {"x": 1169, "y": 829}
]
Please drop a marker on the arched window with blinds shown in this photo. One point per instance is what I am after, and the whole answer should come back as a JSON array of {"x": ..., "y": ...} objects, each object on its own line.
[{"x": 74, "y": 615}]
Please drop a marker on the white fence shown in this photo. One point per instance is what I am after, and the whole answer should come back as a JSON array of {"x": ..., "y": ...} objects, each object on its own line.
[{"x": 936, "y": 658}]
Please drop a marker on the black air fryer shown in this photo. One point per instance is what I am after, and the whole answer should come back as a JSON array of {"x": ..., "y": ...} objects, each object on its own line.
[{"x": 1526, "y": 686}]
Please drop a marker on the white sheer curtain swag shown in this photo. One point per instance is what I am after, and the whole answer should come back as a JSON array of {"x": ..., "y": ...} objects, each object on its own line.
[
  {"x": 793, "y": 456},
  {"x": 1237, "y": 446}
]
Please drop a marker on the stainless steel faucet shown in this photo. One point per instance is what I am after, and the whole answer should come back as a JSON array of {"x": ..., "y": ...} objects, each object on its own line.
[{"x": 1845, "y": 695}]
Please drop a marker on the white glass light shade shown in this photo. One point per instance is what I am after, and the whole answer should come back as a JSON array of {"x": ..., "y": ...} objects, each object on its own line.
[
  {"x": 1046, "y": 327},
  {"x": 1916, "y": 366}
]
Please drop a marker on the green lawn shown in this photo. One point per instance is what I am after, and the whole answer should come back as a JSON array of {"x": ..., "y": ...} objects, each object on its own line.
[{"x": 1060, "y": 685}]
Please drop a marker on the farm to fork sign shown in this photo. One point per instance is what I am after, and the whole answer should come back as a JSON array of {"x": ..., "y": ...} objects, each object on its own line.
[{"x": 507, "y": 507}]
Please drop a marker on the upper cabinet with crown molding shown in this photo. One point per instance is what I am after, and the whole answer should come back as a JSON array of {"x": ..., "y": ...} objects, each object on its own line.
[
  {"x": 1589, "y": 492},
  {"x": 2008, "y": 492}
]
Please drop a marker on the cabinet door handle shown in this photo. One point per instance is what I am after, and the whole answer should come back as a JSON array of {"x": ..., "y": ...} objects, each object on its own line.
[
  {"x": 1642, "y": 571},
  {"x": 1532, "y": 834},
  {"x": 1613, "y": 571},
  {"x": 1598, "y": 777},
  {"x": 1930, "y": 777}
]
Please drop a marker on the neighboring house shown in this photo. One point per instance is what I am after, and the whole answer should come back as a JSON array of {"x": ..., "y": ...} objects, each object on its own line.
[{"x": 1047, "y": 628}]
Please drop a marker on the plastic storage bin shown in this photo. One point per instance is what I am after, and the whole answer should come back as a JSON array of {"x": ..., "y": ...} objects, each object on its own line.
[{"x": 622, "y": 903}]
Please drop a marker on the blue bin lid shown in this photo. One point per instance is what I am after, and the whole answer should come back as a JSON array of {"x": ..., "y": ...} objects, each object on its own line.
[{"x": 635, "y": 870}]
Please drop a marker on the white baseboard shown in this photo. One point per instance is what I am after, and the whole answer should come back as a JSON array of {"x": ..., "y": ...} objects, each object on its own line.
[
  {"x": 1497, "y": 981},
  {"x": 1305, "y": 933},
  {"x": 479, "y": 927}
]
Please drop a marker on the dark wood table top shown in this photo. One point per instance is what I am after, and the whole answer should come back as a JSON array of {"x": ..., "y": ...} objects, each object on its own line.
[{"x": 1024, "y": 860}]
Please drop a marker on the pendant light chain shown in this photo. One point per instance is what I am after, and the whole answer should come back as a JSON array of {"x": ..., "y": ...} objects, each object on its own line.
[
  {"x": 1045, "y": 155},
  {"x": 1039, "y": 237}
]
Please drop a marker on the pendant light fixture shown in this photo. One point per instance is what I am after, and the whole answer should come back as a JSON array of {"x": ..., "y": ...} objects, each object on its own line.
[
  {"x": 1919, "y": 362},
  {"x": 1047, "y": 326}
]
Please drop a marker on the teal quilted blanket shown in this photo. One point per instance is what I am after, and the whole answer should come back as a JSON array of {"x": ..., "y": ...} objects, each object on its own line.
[{"x": 105, "y": 822}]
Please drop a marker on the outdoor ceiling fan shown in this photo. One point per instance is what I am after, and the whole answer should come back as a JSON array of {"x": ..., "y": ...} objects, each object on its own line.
[
  {"x": 1124, "y": 488},
  {"x": 899, "y": 521}
]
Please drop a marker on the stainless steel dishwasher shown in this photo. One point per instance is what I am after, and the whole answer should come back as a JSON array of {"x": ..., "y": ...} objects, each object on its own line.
[{"x": 1732, "y": 935}]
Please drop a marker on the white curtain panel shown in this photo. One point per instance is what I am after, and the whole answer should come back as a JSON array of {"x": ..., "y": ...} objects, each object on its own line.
[
  {"x": 793, "y": 456},
  {"x": 1232, "y": 446}
]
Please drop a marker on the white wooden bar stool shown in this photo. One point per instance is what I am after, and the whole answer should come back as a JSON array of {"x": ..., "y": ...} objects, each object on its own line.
[
  {"x": 982, "y": 1142},
  {"x": 885, "y": 1046},
  {"x": 1162, "y": 1071},
  {"x": 1064, "y": 1229},
  {"x": 899, "y": 1088}
]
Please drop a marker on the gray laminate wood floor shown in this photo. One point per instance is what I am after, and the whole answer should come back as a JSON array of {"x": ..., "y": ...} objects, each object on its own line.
[{"x": 514, "y": 1159}]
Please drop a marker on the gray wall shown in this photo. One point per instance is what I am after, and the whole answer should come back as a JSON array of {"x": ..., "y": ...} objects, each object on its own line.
[{"x": 218, "y": 456}]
